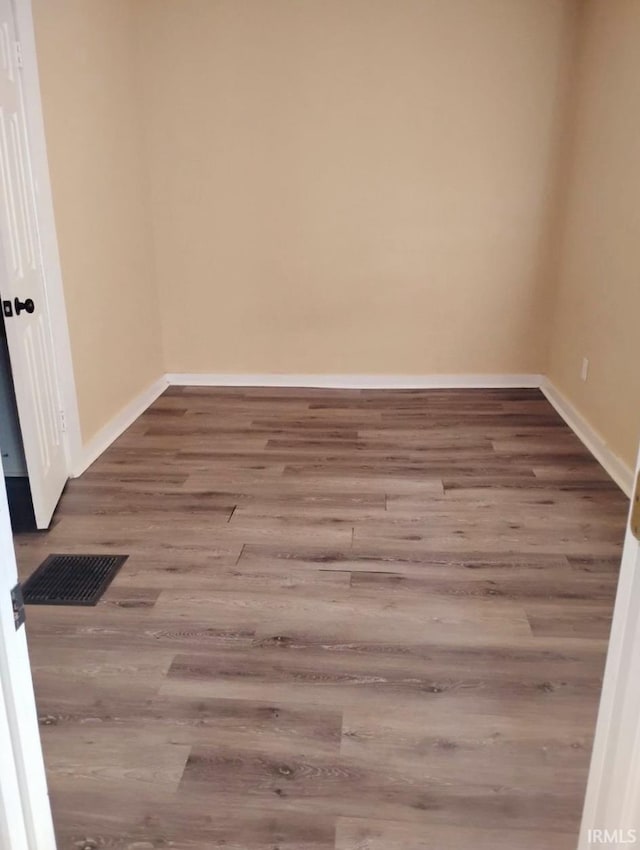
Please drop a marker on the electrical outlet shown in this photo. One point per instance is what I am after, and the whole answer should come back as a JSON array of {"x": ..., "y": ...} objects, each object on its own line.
[{"x": 584, "y": 372}]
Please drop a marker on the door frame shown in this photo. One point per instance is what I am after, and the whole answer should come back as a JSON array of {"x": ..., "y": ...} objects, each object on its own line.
[
  {"x": 45, "y": 224},
  {"x": 612, "y": 799},
  {"x": 13, "y": 831},
  {"x": 23, "y": 782}
]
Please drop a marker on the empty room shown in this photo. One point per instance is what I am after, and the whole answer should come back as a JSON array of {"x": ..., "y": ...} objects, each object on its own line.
[{"x": 319, "y": 418}]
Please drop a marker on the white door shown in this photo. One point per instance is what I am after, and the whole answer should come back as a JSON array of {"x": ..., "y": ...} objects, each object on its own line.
[
  {"x": 23, "y": 291},
  {"x": 611, "y": 818},
  {"x": 25, "y": 814}
]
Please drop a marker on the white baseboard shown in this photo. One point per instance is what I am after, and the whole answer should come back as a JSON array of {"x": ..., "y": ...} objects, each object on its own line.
[
  {"x": 92, "y": 450},
  {"x": 355, "y": 382},
  {"x": 622, "y": 474}
]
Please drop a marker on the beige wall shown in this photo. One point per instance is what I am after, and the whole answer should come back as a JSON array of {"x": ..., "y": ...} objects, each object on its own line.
[
  {"x": 353, "y": 185},
  {"x": 87, "y": 58},
  {"x": 598, "y": 308},
  {"x": 348, "y": 186}
]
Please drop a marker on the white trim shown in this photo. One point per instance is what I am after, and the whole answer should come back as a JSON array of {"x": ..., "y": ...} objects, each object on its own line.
[
  {"x": 127, "y": 416},
  {"x": 47, "y": 231},
  {"x": 614, "y": 466},
  {"x": 355, "y": 382},
  {"x": 117, "y": 426},
  {"x": 611, "y": 801},
  {"x": 597, "y": 445},
  {"x": 20, "y": 705},
  {"x": 13, "y": 829}
]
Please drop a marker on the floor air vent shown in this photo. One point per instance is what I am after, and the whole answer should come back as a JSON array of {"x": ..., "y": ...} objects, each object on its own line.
[{"x": 71, "y": 579}]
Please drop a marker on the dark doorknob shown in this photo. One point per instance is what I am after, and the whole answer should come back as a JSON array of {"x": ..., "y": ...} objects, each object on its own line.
[{"x": 27, "y": 305}]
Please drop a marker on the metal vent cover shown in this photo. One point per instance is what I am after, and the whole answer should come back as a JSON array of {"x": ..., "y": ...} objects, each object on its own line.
[{"x": 71, "y": 579}]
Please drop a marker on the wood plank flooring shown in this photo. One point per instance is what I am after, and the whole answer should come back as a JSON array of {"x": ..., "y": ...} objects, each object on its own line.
[{"x": 350, "y": 620}]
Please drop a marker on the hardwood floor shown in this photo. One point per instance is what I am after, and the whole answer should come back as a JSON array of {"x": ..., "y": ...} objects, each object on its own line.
[{"x": 350, "y": 620}]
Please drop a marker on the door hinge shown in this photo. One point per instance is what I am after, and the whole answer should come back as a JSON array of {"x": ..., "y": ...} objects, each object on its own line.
[
  {"x": 17, "y": 603},
  {"x": 635, "y": 510},
  {"x": 17, "y": 47},
  {"x": 63, "y": 422}
]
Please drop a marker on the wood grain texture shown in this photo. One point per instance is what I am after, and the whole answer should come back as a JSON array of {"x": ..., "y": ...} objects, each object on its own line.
[{"x": 345, "y": 622}]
